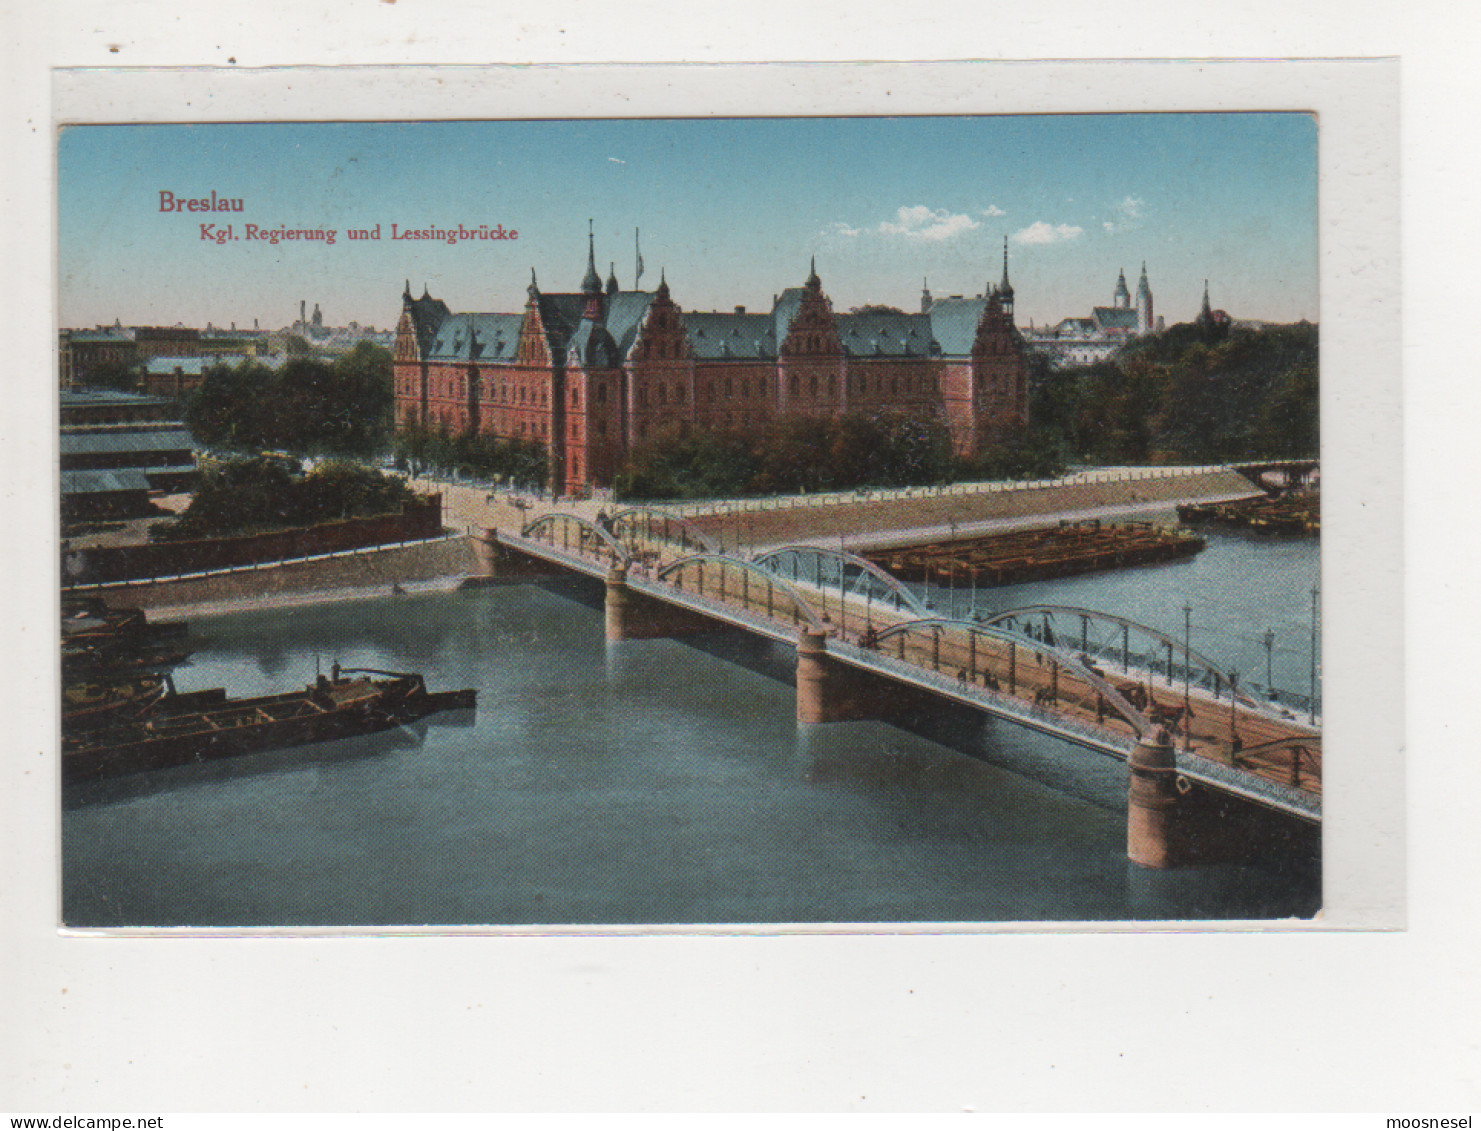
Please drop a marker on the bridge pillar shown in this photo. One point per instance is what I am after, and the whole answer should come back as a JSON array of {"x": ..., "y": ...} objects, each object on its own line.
[
  {"x": 632, "y": 615},
  {"x": 829, "y": 691},
  {"x": 499, "y": 563},
  {"x": 1152, "y": 803}
]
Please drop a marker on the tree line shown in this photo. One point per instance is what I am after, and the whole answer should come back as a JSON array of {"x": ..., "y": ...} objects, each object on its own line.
[
  {"x": 1189, "y": 394},
  {"x": 419, "y": 448},
  {"x": 802, "y": 454},
  {"x": 246, "y": 496},
  {"x": 308, "y": 407}
]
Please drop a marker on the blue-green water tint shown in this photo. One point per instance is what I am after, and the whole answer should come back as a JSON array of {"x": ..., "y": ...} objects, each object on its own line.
[
  {"x": 650, "y": 782},
  {"x": 1237, "y": 589}
]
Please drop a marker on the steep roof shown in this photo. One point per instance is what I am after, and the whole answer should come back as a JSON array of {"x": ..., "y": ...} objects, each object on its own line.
[
  {"x": 476, "y": 337},
  {"x": 715, "y": 335},
  {"x": 561, "y": 314},
  {"x": 592, "y": 347},
  {"x": 783, "y": 310},
  {"x": 887, "y": 335},
  {"x": 427, "y": 314},
  {"x": 1114, "y": 318},
  {"x": 625, "y": 313},
  {"x": 954, "y": 324}
]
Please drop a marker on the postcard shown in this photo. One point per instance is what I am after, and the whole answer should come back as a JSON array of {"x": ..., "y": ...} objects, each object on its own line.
[{"x": 852, "y": 521}]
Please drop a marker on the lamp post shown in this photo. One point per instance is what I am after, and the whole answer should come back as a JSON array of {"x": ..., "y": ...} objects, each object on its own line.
[
  {"x": 1187, "y": 676},
  {"x": 1311, "y": 699},
  {"x": 1269, "y": 651}
]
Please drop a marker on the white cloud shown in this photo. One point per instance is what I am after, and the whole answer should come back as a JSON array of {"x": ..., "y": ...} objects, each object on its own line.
[
  {"x": 1128, "y": 215},
  {"x": 922, "y": 223},
  {"x": 993, "y": 210},
  {"x": 1040, "y": 232},
  {"x": 619, "y": 160},
  {"x": 839, "y": 228}
]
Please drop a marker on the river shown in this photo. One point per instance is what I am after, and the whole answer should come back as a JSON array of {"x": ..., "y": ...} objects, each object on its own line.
[{"x": 660, "y": 782}]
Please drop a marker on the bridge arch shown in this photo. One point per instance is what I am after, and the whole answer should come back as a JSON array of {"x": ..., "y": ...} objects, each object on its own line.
[
  {"x": 1134, "y": 647},
  {"x": 574, "y": 534},
  {"x": 860, "y": 577},
  {"x": 649, "y": 526},
  {"x": 1004, "y": 658},
  {"x": 738, "y": 579}
]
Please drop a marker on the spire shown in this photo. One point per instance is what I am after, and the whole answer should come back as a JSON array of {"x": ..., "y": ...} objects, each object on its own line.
[
  {"x": 812, "y": 272},
  {"x": 925, "y": 297},
  {"x": 1122, "y": 298},
  {"x": 612, "y": 285},
  {"x": 592, "y": 283},
  {"x": 534, "y": 287},
  {"x": 406, "y": 294},
  {"x": 1006, "y": 288},
  {"x": 663, "y": 286},
  {"x": 1142, "y": 284}
]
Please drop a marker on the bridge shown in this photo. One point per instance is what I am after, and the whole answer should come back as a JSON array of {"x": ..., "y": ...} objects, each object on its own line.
[
  {"x": 1290, "y": 472},
  {"x": 869, "y": 647}
]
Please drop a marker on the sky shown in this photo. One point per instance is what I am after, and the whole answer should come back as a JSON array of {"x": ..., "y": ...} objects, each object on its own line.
[{"x": 731, "y": 210}]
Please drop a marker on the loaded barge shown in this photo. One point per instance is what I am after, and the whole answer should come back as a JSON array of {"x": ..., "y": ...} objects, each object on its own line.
[
  {"x": 1039, "y": 554},
  {"x": 1297, "y": 513},
  {"x": 205, "y": 725}
]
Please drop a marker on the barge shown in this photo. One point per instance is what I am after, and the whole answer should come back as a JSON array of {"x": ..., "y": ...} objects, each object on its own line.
[
  {"x": 203, "y": 726},
  {"x": 1296, "y": 513},
  {"x": 1038, "y": 554}
]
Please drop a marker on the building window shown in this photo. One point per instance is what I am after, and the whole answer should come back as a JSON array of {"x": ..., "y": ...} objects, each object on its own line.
[
  {"x": 601, "y": 427},
  {"x": 601, "y": 392},
  {"x": 679, "y": 394},
  {"x": 793, "y": 384},
  {"x": 729, "y": 388},
  {"x": 832, "y": 386},
  {"x": 663, "y": 393}
]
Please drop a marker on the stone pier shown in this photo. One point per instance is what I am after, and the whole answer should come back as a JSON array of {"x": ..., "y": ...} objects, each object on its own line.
[
  {"x": 632, "y": 615},
  {"x": 497, "y": 563},
  {"x": 1152, "y": 801},
  {"x": 829, "y": 691}
]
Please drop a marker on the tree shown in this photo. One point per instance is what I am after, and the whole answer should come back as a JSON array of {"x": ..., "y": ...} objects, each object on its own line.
[{"x": 115, "y": 373}]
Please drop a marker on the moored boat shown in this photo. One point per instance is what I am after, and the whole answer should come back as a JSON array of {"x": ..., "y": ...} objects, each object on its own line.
[{"x": 351, "y": 703}]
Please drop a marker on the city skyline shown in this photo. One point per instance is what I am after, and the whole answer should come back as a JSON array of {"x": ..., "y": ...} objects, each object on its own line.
[{"x": 731, "y": 210}]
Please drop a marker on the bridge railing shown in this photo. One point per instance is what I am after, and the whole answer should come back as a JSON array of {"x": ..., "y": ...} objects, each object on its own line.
[{"x": 1100, "y": 737}]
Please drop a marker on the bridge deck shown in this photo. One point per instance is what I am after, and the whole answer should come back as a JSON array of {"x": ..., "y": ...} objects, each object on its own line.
[{"x": 1013, "y": 683}]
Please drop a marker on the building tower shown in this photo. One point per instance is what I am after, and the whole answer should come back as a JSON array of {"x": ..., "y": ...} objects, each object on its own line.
[
  {"x": 1144, "y": 321},
  {"x": 1122, "y": 301},
  {"x": 1005, "y": 288},
  {"x": 591, "y": 284},
  {"x": 1205, "y": 315},
  {"x": 925, "y": 297}
]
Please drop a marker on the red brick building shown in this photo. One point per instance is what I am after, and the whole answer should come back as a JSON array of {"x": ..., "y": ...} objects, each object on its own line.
[{"x": 590, "y": 374}]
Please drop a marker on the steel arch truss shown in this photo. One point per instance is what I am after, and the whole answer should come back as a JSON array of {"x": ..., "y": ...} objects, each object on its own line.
[
  {"x": 1104, "y": 638},
  {"x": 744, "y": 584},
  {"x": 576, "y": 535},
  {"x": 647, "y": 529},
  {"x": 825, "y": 569},
  {"x": 1008, "y": 660}
]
